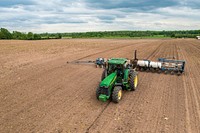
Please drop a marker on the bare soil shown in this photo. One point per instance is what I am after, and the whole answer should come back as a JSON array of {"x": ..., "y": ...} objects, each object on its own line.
[{"x": 40, "y": 92}]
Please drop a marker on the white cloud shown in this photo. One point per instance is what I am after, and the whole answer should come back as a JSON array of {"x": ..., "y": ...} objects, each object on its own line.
[{"x": 79, "y": 15}]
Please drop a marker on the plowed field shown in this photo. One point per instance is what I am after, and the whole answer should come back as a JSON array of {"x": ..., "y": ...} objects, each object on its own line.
[{"x": 40, "y": 92}]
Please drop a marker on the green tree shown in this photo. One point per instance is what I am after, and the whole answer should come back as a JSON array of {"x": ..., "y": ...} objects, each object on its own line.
[
  {"x": 30, "y": 36},
  {"x": 58, "y": 36},
  {"x": 36, "y": 37},
  {"x": 1, "y": 35},
  {"x": 5, "y": 34},
  {"x": 19, "y": 35}
]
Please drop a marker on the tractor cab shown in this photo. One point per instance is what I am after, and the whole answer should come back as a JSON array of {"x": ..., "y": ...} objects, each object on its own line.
[{"x": 117, "y": 65}]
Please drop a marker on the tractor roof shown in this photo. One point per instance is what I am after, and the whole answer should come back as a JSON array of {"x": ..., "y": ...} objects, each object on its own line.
[{"x": 120, "y": 61}]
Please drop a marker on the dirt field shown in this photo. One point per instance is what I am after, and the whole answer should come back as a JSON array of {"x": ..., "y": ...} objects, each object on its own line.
[{"x": 40, "y": 92}]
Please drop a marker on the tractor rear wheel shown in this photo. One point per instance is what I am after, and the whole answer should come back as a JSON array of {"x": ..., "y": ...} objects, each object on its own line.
[
  {"x": 117, "y": 94},
  {"x": 98, "y": 92},
  {"x": 133, "y": 80},
  {"x": 104, "y": 74}
]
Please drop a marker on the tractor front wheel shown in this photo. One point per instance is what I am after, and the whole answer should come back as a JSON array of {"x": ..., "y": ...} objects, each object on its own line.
[{"x": 117, "y": 94}]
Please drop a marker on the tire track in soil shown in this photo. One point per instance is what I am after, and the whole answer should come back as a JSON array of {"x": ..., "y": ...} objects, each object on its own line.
[
  {"x": 191, "y": 97},
  {"x": 166, "y": 113},
  {"x": 156, "y": 88},
  {"x": 153, "y": 99},
  {"x": 188, "y": 126},
  {"x": 87, "y": 130},
  {"x": 191, "y": 76},
  {"x": 179, "y": 106},
  {"x": 176, "y": 105},
  {"x": 152, "y": 54}
]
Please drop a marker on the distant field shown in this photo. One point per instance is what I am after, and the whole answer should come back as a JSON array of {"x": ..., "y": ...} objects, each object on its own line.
[
  {"x": 121, "y": 37},
  {"x": 40, "y": 92},
  {"x": 145, "y": 37}
]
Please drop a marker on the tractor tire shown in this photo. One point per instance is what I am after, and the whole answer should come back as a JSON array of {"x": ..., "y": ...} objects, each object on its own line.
[
  {"x": 172, "y": 72},
  {"x": 133, "y": 80},
  {"x": 117, "y": 94},
  {"x": 166, "y": 72},
  {"x": 179, "y": 73},
  {"x": 98, "y": 92},
  {"x": 159, "y": 71},
  {"x": 104, "y": 74},
  {"x": 152, "y": 70},
  {"x": 137, "y": 69}
]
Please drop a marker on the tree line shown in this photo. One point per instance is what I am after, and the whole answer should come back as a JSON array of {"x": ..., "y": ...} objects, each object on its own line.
[
  {"x": 132, "y": 34},
  {"x": 16, "y": 35},
  {"x": 5, "y": 34}
]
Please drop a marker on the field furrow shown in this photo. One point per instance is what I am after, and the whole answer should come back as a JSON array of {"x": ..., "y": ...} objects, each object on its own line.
[{"x": 41, "y": 92}]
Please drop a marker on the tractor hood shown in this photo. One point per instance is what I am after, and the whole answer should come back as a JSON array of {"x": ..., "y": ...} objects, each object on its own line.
[{"x": 109, "y": 80}]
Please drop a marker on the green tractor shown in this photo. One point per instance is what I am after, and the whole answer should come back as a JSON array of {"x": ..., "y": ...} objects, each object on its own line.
[{"x": 117, "y": 76}]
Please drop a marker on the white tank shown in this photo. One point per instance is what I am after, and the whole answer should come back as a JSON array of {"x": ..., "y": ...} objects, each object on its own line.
[
  {"x": 155, "y": 64},
  {"x": 143, "y": 63}
]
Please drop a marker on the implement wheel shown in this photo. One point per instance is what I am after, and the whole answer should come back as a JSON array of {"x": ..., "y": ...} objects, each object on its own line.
[
  {"x": 166, "y": 72},
  {"x": 133, "y": 80},
  {"x": 172, "y": 72},
  {"x": 178, "y": 73},
  {"x": 117, "y": 94}
]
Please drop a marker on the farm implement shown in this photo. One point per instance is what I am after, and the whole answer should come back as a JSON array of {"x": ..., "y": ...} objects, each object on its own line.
[
  {"x": 99, "y": 62},
  {"x": 162, "y": 65}
]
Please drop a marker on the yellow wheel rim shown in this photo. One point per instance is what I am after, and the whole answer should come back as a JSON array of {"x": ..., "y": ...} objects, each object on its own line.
[
  {"x": 136, "y": 81},
  {"x": 120, "y": 94}
]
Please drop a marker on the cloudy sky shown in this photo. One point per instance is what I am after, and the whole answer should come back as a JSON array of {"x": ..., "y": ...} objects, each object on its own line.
[{"x": 99, "y": 15}]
